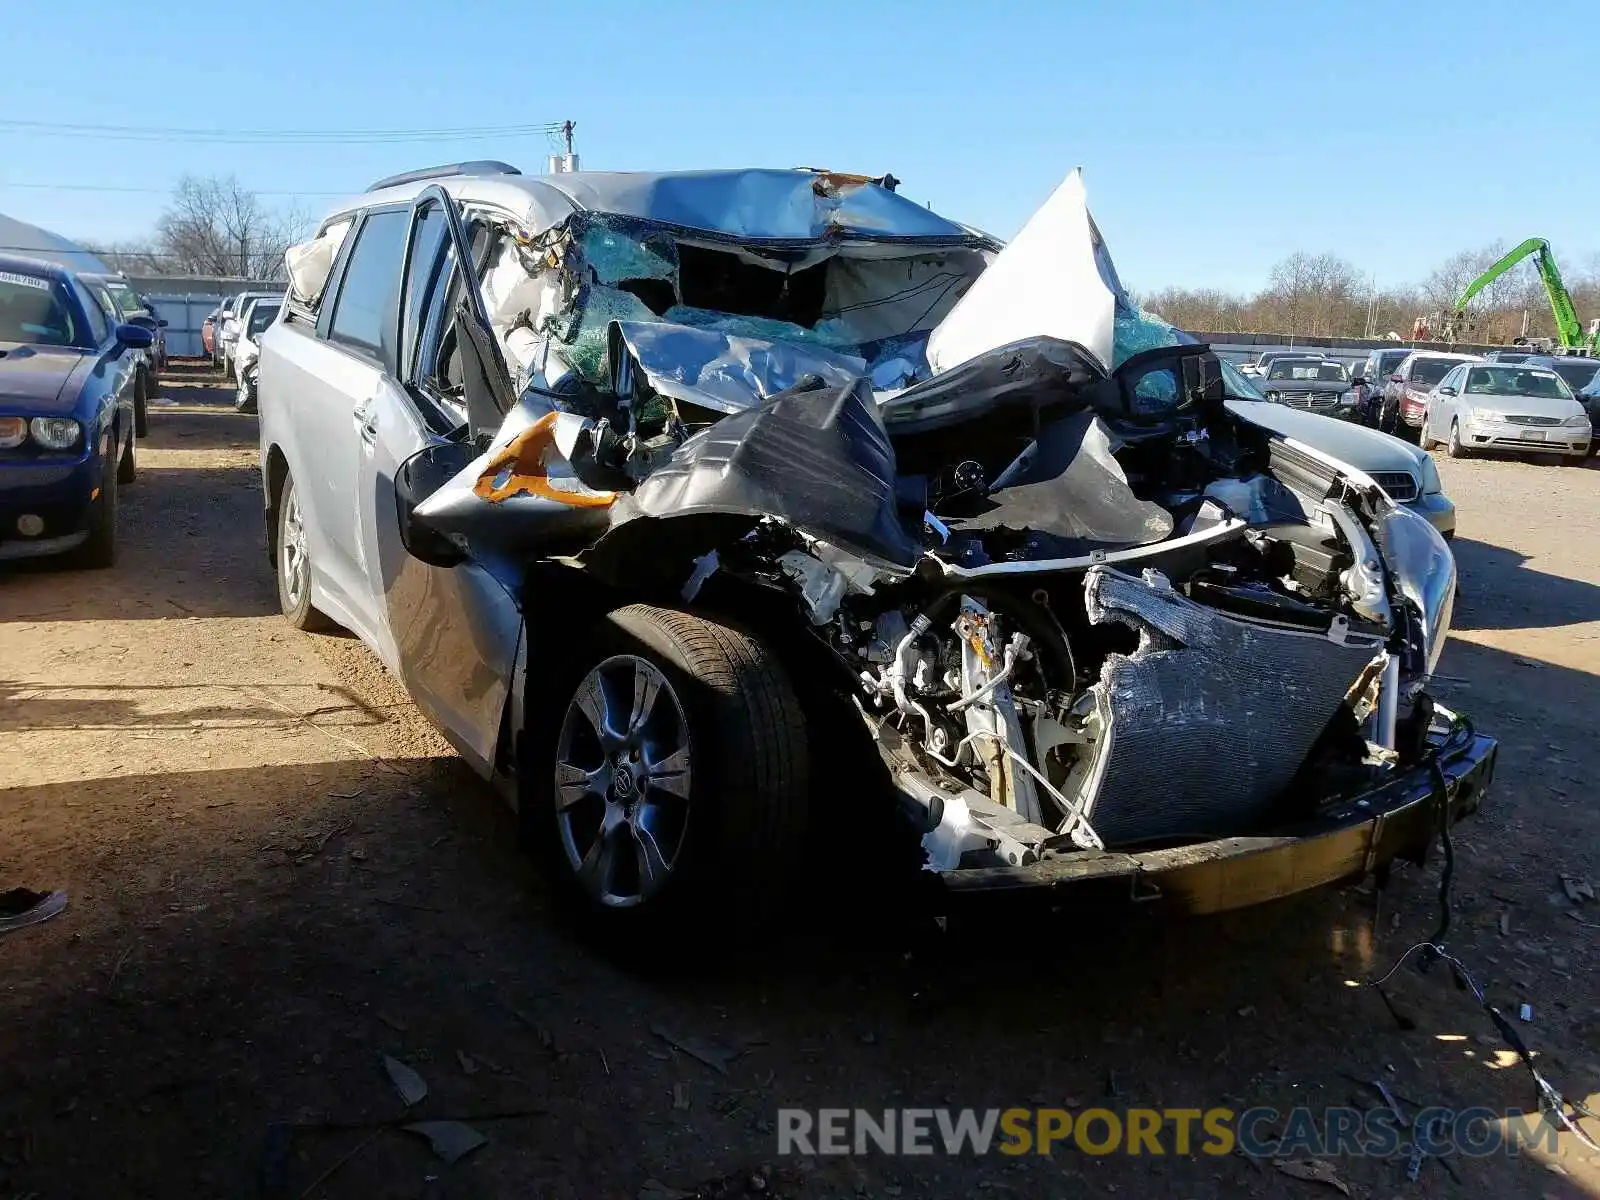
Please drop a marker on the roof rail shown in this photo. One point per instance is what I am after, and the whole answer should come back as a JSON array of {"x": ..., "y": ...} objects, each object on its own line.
[{"x": 486, "y": 166}]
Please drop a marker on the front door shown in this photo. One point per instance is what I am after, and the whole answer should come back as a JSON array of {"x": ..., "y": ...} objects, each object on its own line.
[
  {"x": 334, "y": 379},
  {"x": 453, "y": 631}
]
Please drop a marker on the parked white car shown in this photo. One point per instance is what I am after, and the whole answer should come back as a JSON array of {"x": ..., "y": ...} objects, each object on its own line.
[
  {"x": 258, "y": 316},
  {"x": 233, "y": 322},
  {"x": 1505, "y": 406}
]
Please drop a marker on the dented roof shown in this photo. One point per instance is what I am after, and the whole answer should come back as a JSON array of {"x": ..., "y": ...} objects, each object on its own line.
[{"x": 757, "y": 204}]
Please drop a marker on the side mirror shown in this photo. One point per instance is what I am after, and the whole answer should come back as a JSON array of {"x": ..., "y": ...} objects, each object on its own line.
[
  {"x": 1447, "y": 391},
  {"x": 419, "y": 477},
  {"x": 135, "y": 337},
  {"x": 144, "y": 321},
  {"x": 1358, "y": 380},
  {"x": 162, "y": 322},
  {"x": 1395, "y": 378}
]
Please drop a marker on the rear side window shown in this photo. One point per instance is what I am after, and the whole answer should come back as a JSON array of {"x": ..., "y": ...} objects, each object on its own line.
[
  {"x": 1430, "y": 371},
  {"x": 96, "y": 308},
  {"x": 364, "y": 316},
  {"x": 1388, "y": 362}
]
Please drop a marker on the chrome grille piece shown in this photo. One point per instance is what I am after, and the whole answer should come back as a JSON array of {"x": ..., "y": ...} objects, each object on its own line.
[{"x": 1400, "y": 485}]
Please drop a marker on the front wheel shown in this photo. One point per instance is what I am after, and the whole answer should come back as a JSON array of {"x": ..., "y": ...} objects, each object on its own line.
[
  {"x": 678, "y": 778},
  {"x": 244, "y": 399},
  {"x": 128, "y": 463},
  {"x": 293, "y": 562},
  {"x": 100, "y": 551},
  {"x": 1455, "y": 449},
  {"x": 141, "y": 407}
]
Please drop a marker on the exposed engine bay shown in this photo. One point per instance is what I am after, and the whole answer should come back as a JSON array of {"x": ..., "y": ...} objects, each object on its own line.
[{"x": 1119, "y": 631}]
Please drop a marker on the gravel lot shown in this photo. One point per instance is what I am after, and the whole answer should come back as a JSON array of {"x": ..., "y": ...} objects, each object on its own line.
[{"x": 279, "y": 874}]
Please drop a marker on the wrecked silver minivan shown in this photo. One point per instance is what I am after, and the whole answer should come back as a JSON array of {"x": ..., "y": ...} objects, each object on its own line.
[{"x": 698, "y": 483}]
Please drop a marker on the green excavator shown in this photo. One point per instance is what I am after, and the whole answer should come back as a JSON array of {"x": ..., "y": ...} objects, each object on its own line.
[{"x": 1569, "y": 330}]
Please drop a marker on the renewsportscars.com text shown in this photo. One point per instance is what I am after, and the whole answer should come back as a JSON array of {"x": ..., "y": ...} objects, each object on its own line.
[{"x": 1259, "y": 1132}]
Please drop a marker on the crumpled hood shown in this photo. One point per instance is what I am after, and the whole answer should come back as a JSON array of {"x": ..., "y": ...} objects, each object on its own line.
[
  {"x": 725, "y": 372},
  {"x": 35, "y": 377},
  {"x": 1047, "y": 282}
]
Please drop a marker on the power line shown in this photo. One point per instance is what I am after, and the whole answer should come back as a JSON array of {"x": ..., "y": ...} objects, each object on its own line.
[
  {"x": 240, "y": 137},
  {"x": 151, "y": 191},
  {"x": 113, "y": 251}
]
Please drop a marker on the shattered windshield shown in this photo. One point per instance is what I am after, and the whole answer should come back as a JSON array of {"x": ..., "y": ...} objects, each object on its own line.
[{"x": 869, "y": 306}]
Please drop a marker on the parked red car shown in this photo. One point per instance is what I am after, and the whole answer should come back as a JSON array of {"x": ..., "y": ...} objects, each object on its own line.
[
  {"x": 1405, "y": 394},
  {"x": 208, "y": 331}
]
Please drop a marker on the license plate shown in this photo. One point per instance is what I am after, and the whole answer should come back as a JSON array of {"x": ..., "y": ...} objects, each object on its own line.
[{"x": 1533, "y": 435}]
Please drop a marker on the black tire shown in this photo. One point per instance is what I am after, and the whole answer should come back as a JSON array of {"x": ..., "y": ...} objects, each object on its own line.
[
  {"x": 244, "y": 398},
  {"x": 100, "y": 551},
  {"x": 1423, "y": 440},
  {"x": 1454, "y": 448},
  {"x": 142, "y": 391},
  {"x": 127, "y": 463},
  {"x": 736, "y": 837},
  {"x": 295, "y": 601}
]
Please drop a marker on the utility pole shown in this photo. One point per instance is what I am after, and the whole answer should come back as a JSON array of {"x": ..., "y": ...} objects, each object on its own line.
[{"x": 568, "y": 161}]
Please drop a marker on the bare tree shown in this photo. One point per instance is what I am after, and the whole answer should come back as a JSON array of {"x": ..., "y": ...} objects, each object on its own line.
[
  {"x": 1202, "y": 308},
  {"x": 132, "y": 258},
  {"x": 215, "y": 226},
  {"x": 1309, "y": 295},
  {"x": 1319, "y": 295},
  {"x": 1494, "y": 310}
]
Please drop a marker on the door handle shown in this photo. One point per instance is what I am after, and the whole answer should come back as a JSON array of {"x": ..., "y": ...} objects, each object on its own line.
[{"x": 366, "y": 419}]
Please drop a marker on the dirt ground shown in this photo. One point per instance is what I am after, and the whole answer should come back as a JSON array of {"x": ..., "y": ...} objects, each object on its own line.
[{"x": 279, "y": 875}]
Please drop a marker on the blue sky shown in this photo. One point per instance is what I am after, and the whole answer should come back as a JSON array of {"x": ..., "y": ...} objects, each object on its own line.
[{"x": 1215, "y": 138}]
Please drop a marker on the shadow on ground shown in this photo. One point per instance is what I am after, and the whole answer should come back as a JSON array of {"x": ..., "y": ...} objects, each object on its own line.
[
  {"x": 1500, "y": 591},
  {"x": 251, "y": 963},
  {"x": 115, "y": 708}
]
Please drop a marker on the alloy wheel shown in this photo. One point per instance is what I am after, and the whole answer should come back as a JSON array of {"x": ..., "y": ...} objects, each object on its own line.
[
  {"x": 293, "y": 550},
  {"x": 622, "y": 781}
]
